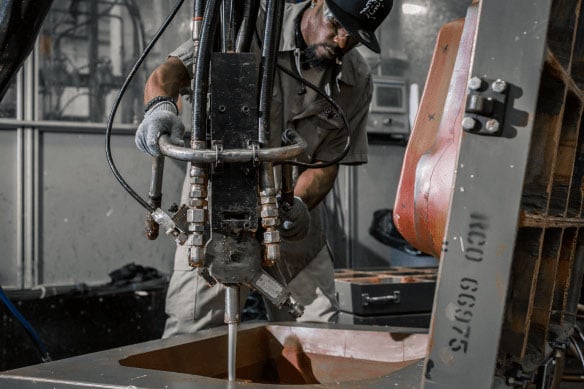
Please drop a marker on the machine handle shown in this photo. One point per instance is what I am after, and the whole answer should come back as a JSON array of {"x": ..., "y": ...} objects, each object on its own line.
[
  {"x": 392, "y": 298},
  {"x": 274, "y": 154}
]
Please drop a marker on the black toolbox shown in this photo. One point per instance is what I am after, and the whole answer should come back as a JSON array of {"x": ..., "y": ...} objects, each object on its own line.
[{"x": 396, "y": 296}]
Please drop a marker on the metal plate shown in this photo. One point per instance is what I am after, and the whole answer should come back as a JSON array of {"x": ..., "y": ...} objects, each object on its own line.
[{"x": 482, "y": 225}]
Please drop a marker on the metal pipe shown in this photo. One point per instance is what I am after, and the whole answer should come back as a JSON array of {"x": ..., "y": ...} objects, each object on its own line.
[
  {"x": 287, "y": 184},
  {"x": 65, "y": 127},
  {"x": 31, "y": 172},
  {"x": 155, "y": 195},
  {"x": 573, "y": 377},
  {"x": 276, "y": 154},
  {"x": 201, "y": 73},
  {"x": 231, "y": 352},
  {"x": 227, "y": 26},
  {"x": 20, "y": 186},
  {"x": 232, "y": 318},
  {"x": 95, "y": 97}
]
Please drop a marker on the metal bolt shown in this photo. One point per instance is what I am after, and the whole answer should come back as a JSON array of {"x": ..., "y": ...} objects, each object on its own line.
[
  {"x": 468, "y": 123},
  {"x": 221, "y": 108},
  {"x": 245, "y": 109},
  {"x": 492, "y": 126},
  {"x": 475, "y": 83},
  {"x": 233, "y": 256},
  {"x": 499, "y": 86}
]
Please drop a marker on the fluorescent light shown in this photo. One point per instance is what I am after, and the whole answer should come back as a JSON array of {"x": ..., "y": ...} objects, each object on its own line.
[{"x": 414, "y": 9}]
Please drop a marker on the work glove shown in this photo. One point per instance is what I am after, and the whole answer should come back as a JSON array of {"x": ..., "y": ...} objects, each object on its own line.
[
  {"x": 161, "y": 118},
  {"x": 295, "y": 219}
]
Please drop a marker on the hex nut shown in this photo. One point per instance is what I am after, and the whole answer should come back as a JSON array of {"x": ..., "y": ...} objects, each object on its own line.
[
  {"x": 269, "y": 212},
  {"x": 269, "y": 222},
  {"x": 468, "y": 123},
  {"x": 272, "y": 236},
  {"x": 475, "y": 83},
  {"x": 196, "y": 215},
  {"x": 272, "y": 252}
]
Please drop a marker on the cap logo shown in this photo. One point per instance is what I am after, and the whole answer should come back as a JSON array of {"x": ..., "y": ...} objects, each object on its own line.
[{"x": 371, "y": 8}]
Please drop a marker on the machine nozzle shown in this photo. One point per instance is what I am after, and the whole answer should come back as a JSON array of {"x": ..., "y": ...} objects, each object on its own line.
[{"x": 295, "y": 309}]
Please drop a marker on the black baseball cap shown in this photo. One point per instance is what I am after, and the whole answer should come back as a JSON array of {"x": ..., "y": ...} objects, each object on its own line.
[{"x": 361, "y": 18}]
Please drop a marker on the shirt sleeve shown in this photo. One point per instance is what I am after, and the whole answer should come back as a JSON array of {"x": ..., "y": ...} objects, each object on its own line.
[{"x": 185, "y": 53}]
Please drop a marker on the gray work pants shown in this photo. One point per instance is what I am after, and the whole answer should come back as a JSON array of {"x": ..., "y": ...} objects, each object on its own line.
[{"x": 192, "y": 305}]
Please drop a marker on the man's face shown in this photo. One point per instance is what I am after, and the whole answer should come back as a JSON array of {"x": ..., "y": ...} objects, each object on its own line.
[{"x": 327, "y": 40}]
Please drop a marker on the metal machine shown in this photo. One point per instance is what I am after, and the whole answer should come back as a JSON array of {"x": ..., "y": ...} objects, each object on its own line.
[
  {"x": 230, "y": 223},
  {"x": 492, "y": 184},
  {"x": 494, "y": 190},
  {"x": 389, "y": 111}
]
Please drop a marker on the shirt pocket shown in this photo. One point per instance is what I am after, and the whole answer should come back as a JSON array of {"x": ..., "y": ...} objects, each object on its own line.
[
  {"x": 320, "y": 126},
  {"x": 321, "y": 114}
]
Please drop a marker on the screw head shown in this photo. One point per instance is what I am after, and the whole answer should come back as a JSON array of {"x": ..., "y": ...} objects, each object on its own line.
[
  {"x": 492, "y": 126},
  {"x": 475, "y": 83},
  {"x": 499, "y": 86},
  {"x": 468, "y": 123}
]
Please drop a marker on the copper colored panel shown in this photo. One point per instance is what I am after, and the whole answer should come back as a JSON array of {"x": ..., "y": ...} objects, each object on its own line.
[{"x": 424, "y": 191}]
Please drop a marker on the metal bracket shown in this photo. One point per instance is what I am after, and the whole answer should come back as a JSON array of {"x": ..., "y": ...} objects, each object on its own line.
[
  {"x": 254, "y": 146},
  {"x": 392, "y": 298},
  {"x": 486, "y": 104},
  {"x": 218, "y": 146}
]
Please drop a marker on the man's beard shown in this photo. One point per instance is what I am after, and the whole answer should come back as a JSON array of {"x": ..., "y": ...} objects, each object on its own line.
[{"x": 319, "y": 62}]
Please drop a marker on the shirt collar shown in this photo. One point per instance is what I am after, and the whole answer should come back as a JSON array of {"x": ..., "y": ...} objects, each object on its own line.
[{"x": 288, "y": 37}]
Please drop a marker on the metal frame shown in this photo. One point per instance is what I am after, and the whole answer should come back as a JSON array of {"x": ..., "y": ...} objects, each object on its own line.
[
  {"x": 27, "y": 176},
  {"x": 66, "y": 127},
  {"x": 28, "y": 131},
  {"x": 482, "y": 225}
]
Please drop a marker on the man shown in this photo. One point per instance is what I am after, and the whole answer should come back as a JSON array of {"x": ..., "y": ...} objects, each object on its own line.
[{"x": 317, "y": 40}]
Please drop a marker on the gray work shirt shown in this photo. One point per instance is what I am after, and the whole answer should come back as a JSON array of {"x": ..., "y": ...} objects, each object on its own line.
[{"x": 312, "y": 116}]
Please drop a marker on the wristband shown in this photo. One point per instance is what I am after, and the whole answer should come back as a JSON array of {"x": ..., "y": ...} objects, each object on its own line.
[{"x": 159, "y": 99}]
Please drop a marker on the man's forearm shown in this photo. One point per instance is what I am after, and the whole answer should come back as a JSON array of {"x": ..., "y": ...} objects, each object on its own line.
[
  {"x": 167, "y": 80},
  {"x": 313, "y": 184}
]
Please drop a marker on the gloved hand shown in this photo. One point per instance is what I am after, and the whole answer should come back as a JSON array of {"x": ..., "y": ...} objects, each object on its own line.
[
  {"x": 295, "y": 219},
  {"x": 161, "y": 118}
]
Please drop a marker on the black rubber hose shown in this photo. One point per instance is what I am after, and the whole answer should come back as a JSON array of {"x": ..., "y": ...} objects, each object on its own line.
[
  {"x": 110, "y": 120},
  {"x": 247, "y": 28},
  {"x": 274, "y": 14},
  {"x": 202, "y": 70},
  {"x": 26, "y": 325}
]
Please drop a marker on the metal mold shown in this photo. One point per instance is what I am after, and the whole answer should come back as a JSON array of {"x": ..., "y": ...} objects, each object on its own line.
[{"x": 269, "y": 355}]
